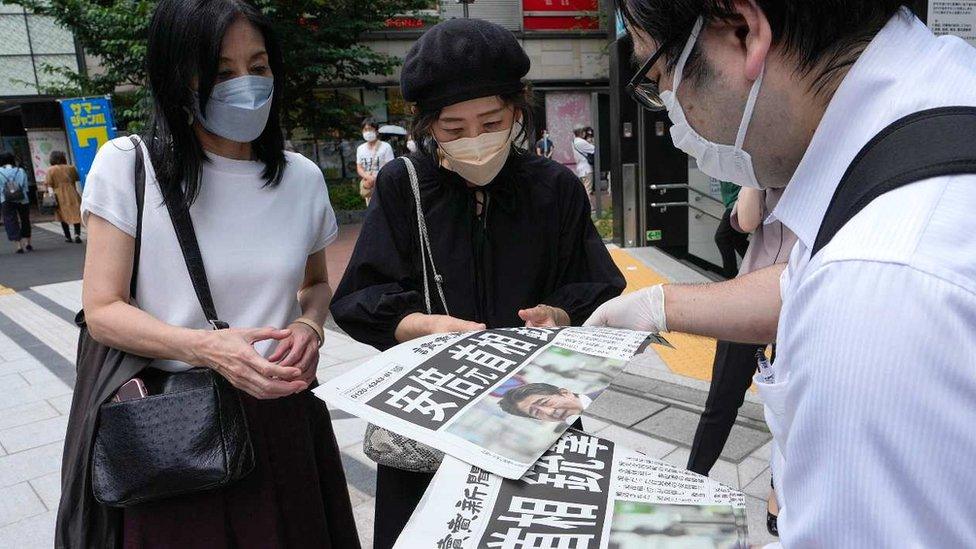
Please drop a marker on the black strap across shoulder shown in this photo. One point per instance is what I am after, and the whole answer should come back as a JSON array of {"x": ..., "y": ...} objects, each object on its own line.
[
  {"x": 931, "y": 143},
  {"x": 140, "y": 184},
  {"x": 186, "y": 236}
]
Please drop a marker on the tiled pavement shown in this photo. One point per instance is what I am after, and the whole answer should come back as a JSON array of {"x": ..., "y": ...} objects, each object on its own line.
[{"x": 650, "y": 408}]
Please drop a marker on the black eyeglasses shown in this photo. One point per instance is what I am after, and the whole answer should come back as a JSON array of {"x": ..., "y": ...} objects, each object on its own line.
[{"x": 645, "y": 91}]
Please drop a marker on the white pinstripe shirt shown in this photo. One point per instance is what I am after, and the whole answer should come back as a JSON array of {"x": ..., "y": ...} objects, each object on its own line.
[{"x": 874, "y": 409}]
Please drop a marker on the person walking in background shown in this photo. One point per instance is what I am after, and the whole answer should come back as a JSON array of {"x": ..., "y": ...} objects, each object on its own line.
[
  {"x": 510, "y": 236},
  {"x": 224, "y": 167},
  {"x": 62, "y": 180},
  {"x": 15, "y": 202},
  {"x": 735, "y": 363},
  {"x": 370, "y": 157},
  {"x": 583, "y": 153},
  {"x": 730, "y": 241},
  {"x": 543, "y": 147}
]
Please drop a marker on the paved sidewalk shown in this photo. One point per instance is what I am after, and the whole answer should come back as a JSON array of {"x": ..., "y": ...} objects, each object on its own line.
[
  {"x": 653, "y": 407},
  {"x": 649, "y": 409}
]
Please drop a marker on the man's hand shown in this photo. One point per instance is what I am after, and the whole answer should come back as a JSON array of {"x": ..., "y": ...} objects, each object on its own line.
[
  {"x": 544, "y": 316},
  {"x": 641, "y": 310}
]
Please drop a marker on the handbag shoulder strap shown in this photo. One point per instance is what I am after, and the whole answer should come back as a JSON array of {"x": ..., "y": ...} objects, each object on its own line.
[
  {"x": 140, "y": 187},
  {"x": 179, "y": 214},
  {"x": 426, "y": 252},
  {"x": 927, "y": 144}
]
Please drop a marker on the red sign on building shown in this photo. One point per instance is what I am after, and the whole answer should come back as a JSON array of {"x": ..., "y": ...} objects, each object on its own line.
[{"x": 560, "y": 15}]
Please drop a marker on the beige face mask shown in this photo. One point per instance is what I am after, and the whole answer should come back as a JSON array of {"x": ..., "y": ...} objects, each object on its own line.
[{"x": 479, "y": 159}]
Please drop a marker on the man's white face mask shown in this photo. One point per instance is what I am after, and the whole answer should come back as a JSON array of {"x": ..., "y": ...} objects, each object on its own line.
[{"x": 723, "y": 162}]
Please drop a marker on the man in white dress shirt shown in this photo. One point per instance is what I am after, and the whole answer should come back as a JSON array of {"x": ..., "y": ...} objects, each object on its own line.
[{"x": 873, "y": 409}]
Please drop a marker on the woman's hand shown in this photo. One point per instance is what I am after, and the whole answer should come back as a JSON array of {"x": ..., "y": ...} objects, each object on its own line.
[
  {"x": 299, "y": 350},
  {"x": 231, "y": 354},
  {"x": 418, "y": 325},
  {"x": 544, "y": 316}
]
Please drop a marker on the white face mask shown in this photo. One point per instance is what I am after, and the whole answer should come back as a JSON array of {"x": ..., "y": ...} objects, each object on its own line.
[
  {"x": 411, "y": 145},
  {"x": 723, "y": 162},
  {"x": 479, "y": 159},
  {"x": 369, "y": 136}
]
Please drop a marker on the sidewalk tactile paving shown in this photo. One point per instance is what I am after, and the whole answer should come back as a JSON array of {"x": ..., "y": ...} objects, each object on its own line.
[{"x": 692, "y": 355}]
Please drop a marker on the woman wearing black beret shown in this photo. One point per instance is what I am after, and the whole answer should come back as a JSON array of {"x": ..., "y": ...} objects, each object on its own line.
[{"x": 510, "y": 235}]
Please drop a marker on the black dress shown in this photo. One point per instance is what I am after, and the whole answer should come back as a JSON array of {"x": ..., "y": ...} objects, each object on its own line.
[{"x": 532, "y": 243}]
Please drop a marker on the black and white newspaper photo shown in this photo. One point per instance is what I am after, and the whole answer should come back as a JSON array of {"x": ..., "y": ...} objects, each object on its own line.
[
  {"x": 497, "y": 399},
  {"x": 585, "y": 492}
]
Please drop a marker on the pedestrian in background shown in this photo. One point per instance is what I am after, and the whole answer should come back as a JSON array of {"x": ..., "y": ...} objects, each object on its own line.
[
  {"x": 214, "y": 150},
  {"x": 584, "y": 152},
  {"x": 510, "y": 237},
  {"x": 730, "y": 241},
  {"x": 15, "y": 202},
  {"x": 543, "y": 147},
  {"x": 371, "y": 156},
  {"x": 62, "y": 181},
  {"x": 735, "y": 363}
]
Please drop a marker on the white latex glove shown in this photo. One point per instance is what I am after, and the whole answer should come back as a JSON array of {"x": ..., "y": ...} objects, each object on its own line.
[{"x": 641, "y": 310}]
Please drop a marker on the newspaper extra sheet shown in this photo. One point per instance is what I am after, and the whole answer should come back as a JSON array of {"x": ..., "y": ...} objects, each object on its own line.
[
  {"x": 584, "y": 493},
  {"x": 497, "y": 399}
]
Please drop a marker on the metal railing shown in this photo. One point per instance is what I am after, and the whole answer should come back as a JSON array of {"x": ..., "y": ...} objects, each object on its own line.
[
  {"x": 663, "y": 206},
  {"x": 672, "y": 186}
]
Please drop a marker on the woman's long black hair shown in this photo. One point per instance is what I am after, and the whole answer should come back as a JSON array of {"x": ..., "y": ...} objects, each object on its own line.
[{"x": 184, "y": 43}]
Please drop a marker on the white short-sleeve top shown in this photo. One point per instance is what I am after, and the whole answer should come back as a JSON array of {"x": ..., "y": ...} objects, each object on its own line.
[
  {"x": 255, "y": 239},
  {"x": 371, "y": 160}
]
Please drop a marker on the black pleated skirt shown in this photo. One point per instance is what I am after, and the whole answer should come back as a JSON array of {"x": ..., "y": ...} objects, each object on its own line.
[{"x": 296, "y": 496}]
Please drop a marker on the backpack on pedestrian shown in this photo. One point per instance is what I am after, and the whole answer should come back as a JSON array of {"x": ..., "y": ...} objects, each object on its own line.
[{"x": 11, "y": 190}]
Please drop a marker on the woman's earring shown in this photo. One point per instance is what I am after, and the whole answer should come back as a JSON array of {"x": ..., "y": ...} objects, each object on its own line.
[{"x": 189, "y": 116}]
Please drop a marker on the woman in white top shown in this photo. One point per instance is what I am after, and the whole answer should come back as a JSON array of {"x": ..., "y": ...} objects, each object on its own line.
[
  {"x": 370, "y": 157},
  {"x": 263, "y": 220}
]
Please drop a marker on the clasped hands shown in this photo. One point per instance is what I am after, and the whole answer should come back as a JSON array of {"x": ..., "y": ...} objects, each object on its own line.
[{"x": 290, "y": 368}]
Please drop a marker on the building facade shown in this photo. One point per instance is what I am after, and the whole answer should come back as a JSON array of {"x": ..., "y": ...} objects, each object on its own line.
[
  {"x": 31, "y": 124},
  {"x": 566, "y": 40}
]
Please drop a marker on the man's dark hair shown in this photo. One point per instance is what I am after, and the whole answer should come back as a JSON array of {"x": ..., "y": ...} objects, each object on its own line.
[
  {"x": 369, "y": 122},
  {"x": 7, "y": 158},
  {"x": 823, "y": 36},
  {"x": 509, "y": 402}
]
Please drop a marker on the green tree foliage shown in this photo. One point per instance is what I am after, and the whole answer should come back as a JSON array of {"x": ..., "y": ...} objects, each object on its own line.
[{"x": 321, "y": 42}]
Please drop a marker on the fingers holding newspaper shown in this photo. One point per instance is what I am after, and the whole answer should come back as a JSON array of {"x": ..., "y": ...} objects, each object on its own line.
[
  {"x": 641, "y": 310},
  {"x": 417, "y": 325},
  {"x": 544, "y": 316}
]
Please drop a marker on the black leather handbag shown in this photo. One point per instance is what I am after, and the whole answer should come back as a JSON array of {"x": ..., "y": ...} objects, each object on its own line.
[{"x": 190, "y": 433}]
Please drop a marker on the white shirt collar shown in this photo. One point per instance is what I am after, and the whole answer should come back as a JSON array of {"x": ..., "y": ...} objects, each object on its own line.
[
  {"x": 890, "y": 80},
  {"x": 585, "y": 402}
]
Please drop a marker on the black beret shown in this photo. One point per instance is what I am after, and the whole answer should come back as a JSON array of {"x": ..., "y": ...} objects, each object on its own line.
[{"x": 462, "y": 59}]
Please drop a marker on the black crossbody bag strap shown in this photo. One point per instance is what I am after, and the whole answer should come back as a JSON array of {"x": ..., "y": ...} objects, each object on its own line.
[
  {"x": 185, "y": 235},
  {"x": 932, "y": 143},
  {"x": 140, "y": 185},
  {"x": 187, "y": 238}
]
